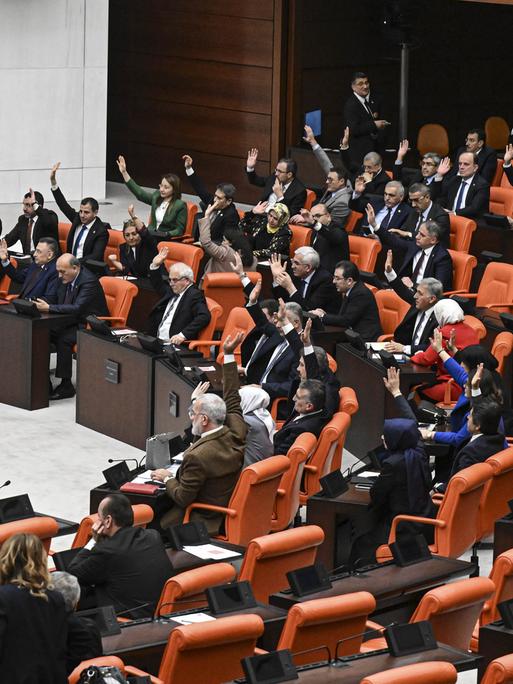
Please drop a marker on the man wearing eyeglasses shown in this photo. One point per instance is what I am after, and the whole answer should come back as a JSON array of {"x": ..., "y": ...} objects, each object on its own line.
[
  {"x": 382, "y": 214},
  {"x": 182, "y": 311},
  {"x": 426, "y": 173},
  {"x": 424, "y": 209},
  {"x": 281, "y": 186},
  {"x": 211, "y": 465}
]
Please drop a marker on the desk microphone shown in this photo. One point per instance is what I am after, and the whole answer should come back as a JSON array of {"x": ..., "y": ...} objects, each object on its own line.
[
  {"x": 183, "y": 601},
  {"x": 7, "y": 482},
  {"x": 312, "y": 650},
  {"x": 368, "y": 632},
  {"x": 126, "y": 460},
  {"x": 129, "y": 610}
]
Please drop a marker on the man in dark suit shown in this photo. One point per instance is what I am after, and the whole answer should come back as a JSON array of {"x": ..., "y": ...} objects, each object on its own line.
[
  {"x": 35, "y": 223},
  {"x": 428, "y": 167},
  {"x": 382, "y": 213},
  {"x": 486, "y": 156},
  {"x": 424, "y": 209},
  {"x": 309, "y": 415},
  {"x": 466, "y": 194},
  {"x": 79, "y": 295},
  {"x": 370, "y": 171},
  {"x": 182, "y": 311},
  {"x": 329, "y": 240},
  {"x": 88, "y": 235},
  {"x": 362, "y": 115},
  {"x": 39, "y": 280},
  {"x": 226, "y": 216},
  {"x": 212, "y": 464},
  {"x": 359, "y": 310},
  {"x": 424, "y": 257},
  {"x": 282, "y": 186},
  {"x": 127, "y": 567},
  {"x": 507, "y": 168},
  {"x": 415, "y": 330},
  {"x": 138, "y": 250},
  {"x": 311, "y": 286}
]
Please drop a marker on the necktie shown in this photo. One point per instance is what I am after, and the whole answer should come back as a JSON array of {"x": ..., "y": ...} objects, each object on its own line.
[
  {"x": 280, "y": 349},
  {"x": 68, "y": 295},
  {"x": 386, "y": 220},
  {"x": 79, "y": 238},
  {"x": 418, "y": 266},
  {"x": 302, "y": 288},
  {"x": 419, "y": 223},
  {"x": 165, "y": 325},
  {"x": 459, "y": 198},
  {"x": 367, "y": 107},
  {"x": 31, "y": 280},
  {"x": 29, "y": 233},
  {"x": 418, "y": 328}
]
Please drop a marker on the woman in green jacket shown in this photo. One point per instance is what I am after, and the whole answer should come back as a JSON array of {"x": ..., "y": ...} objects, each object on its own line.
[{"x": 168, "y": 211}]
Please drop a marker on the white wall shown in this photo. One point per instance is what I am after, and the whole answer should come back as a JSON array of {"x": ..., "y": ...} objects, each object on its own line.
[{"x": 53, "y": 96}]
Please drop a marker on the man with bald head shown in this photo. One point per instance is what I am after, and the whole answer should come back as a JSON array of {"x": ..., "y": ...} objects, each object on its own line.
[
  {"x": 466, "y": 194},
  {"x": 182, "y": 311},
  {"x": 79, "y": 294}
]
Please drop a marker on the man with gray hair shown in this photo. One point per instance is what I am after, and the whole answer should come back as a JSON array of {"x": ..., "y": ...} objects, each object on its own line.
[
  {"x": 84, "y": 639},
  {"x": 182, "y": 311},
  {"x": 382, "y": 213},
  {"x": 310, "y": 286},
  {"x": 371, "y": 172},
  {"x": 211, "y": 465},
  {"x": 415, "y": 330},
  {"x": 423, "y": 209},
  {"x": 428, "y": 167}
]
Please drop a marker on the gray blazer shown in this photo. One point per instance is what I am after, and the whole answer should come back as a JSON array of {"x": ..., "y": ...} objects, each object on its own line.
[
  {"x": 258, "y": 442},
  {"x": 337, "y": 204}
]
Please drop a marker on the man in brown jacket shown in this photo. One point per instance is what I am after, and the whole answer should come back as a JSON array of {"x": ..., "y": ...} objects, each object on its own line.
[{"x": 211, "y": 465}]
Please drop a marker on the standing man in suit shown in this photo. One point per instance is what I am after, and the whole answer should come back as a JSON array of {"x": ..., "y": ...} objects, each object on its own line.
[
  {"x": 415, "y": 330},
  {"x": 40, "y": 279},
  {"x": 35, "y": 223},
  {"x": 88, "y": 235},
  {"x": 309, "y": 415},
  {"x": 423, "y": 258},
  {"x": 212, "y": 464},
  {"x": 428, "y": 167},
  {"x": 310, "y": 285},
  {"x": 329, "y": 240},
  {"x": 138, "y": 250},
  {"x": 382, "y": 213},
  {"x": 359, "y": 310},
  {"x": 338, "y": 192},
  {"x": 79, "y": 295},
  {"x": 182, "y": 311},
  {"x": 226, "y": 215},
  {"x": 424, "y": 209},
  {"x": 362, "y": 114},
  {"x": 127, "y": 567},
  {"x": 466, "y": 194},
  {"x": 475, "y": 143},
  {"x": 283, "y": 186}
]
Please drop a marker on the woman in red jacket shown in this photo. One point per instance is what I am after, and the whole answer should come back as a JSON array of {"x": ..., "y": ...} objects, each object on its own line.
[{"x": 449, "y": 316}]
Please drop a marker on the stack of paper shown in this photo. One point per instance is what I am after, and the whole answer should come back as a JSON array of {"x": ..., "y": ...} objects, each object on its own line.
[{"x": 210, "y": 552}]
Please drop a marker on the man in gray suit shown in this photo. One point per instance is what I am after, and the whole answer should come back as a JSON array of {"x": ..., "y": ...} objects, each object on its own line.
[{"x": 211, "y": 465}]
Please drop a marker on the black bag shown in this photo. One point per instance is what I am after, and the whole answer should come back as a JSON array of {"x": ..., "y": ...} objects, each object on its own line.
[{"x": 101, "y": 675}]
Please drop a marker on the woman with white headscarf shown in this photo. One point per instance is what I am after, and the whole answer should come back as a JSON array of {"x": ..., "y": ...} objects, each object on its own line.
[
  {"x": 259, "y": 440},
  {"x": 456, "y": 335}
]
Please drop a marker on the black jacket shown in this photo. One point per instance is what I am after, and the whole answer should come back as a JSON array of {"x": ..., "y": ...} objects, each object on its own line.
[
  {"x": 226, "y": 219},
  {"x": 310, "y": 422},
  {"x": 408, "y": 176},
  {"x": 191, "y": 314},
  {"x": 508, "y": 170},
  {"x": 374, "y": 187},
  {"x": 37, "y": 281},
  {"x": 320, "y": 293},
  {"x": 97, "y": 237},
  {"x": 435, "y": 213},
  {"x": 477, "y": 451},
  {"x": 401, "y": 212},
  {"x": 87, "y": 297},
  {"x": 477, "y": 200},
  {"x": 45, "y": 226},
  {"x": 359, "y": 311},
  {"x": 486, "y": 162},
  {"x": 139, "y": 265},
  {"x": 84, "y": 641},
  {"x": 328, "y": 378},
  {"x": 363, "y": 135},
  {"x": 127, "y": 570},
  {"x": 404, "y": 331},
  {"x": 33, "y": 635},
  {"x": 294, "y": 197},
  {"x": 332, "y": 245}
]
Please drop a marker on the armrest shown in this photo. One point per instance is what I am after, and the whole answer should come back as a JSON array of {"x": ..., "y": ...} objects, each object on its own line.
[
  {"x": 260, "y": 651},
  {"x": 453, "y": 292},
  {"x": 500, "y": 305},
  {"x": 280, "y": 492},
  {"x": 437, "y": 498},
  {"x": 373, "y": 625},
  {"x": 386, "y": 338},
  {"x": 202, "y": 343},
  {"x": 131, "y": 670},
  {"x": 311, "y": 468},
  {"x": 412, "y": 518},
  {"x": 209, "y": 507}
]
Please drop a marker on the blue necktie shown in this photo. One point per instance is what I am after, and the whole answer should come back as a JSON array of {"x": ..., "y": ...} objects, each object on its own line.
[
  {"x": 459, "y": 198},
  {"x": 77, "y": 241},
  {"x": 386, "y": 220}
]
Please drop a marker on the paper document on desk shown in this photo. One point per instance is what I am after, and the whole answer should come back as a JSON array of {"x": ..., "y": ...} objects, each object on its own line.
[
  {"x": 210, "y": 552},
  {"x": 376, "y": 346},
  {"x": 203, "y": 369},
  {"x": 192, "y": 618},
  {"x": 123, "y": 331},
  {"x": 142, "y": 478},
  {"x": 369, "y": 474}
]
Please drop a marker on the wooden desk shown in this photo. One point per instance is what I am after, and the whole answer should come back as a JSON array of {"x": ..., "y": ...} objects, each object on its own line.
[
  {"x": 25, "y": 357},
  {"x": 397, "y": 590},
  {"x": 142, "y": 645},
  {"x": 121, "y": 408},
  {"x": 352, "y": 669},
  {"x": 376, "y": 403},
  {"x": 142, "y": 304},
  {"x": 329, "y": 513}
]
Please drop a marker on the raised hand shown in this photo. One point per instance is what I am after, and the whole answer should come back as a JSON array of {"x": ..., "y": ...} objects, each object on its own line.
[
  {"x": 53, "y": 173},
  {"x": 309, "y": 137},
  {"x": 131, "y": 210},
  {"x": 392, "y": 381},
  {"x": 371, "y": 215},
  {"x": 252, "y": 158},
  {"x": 32, "y": 196},
  {"x": 255, "y": 293},
  {"x": 305, "y": 335},
  {"x": 476, "y": 380},
  {"x": 389, "y": 263},
  {"x": 444, "y": 166},
  {"x": 306, "y": 217},
  {"x": 344, "y": 141},
  {"x": 359, "y": 185},
  {"x": 508, "y": 154},
  {"x": 451, "y": 344},
  {"x": 404, "y": 146},
  {"x": 238, "y": 266},
  {"x": 200, "y": 389},
  {"x": 284, "y": 280},
  {"x": 187, "y": 159},
  {"x": 437, "y": 340},
  {"x": 159, "y": 258},
  {"x": 260, "y": 208},
  {"x": 297, "y": 220},
  {"x": 230, "y": 345},
  {"x": 276, "y": 265},
  {"x": 282, "y": 313},
  {"x": 277, "y": 189},
  {"x": 4, "y": 254}
]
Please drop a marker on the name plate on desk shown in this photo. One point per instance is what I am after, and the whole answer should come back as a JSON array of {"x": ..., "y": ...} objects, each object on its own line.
[{"x": 112, "y": 369}]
